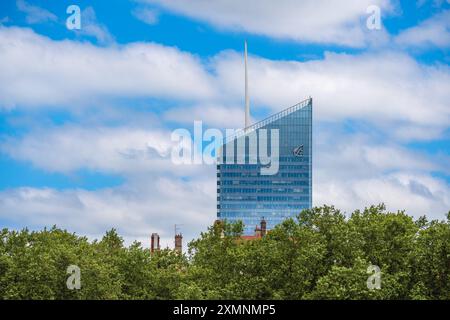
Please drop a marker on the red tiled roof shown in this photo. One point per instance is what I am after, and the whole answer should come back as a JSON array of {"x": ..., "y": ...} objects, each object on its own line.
[{"x": 250, "y": 237}]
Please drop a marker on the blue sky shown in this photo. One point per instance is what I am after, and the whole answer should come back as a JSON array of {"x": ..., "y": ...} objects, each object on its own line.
[{"x": 86, "y": 115}]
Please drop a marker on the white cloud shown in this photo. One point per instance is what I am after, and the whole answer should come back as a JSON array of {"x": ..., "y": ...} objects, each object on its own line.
[
  {"x": 92, "y": 28},
  {"x": 353, "y": 171},
  {"x": 346, "y": 156},
  {"x": 156, "y": 193},
  {"x": 389, "y": 90},
  {"x": 433, "y": 32},
  {"x": 123, "y": 150},
  {"x": 350, "y": 172},
  {"x": 38, "y": 71},
  {"x": 319, "y": 21},
  {"x": 418, "y": 195},
  {"x": 146, "y": 15},
  {"x": 136, "y": 210},
  {"x": 35, "y": 14},
  {"x": 217, "y": 116}
]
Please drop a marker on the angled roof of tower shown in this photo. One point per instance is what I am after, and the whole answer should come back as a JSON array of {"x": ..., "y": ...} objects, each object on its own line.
[{"x": 269, "y": 120}]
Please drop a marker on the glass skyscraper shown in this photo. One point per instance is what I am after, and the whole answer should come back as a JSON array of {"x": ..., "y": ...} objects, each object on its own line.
[{"x": 243, "y": 193}]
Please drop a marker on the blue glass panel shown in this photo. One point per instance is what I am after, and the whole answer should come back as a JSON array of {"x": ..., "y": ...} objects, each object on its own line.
[{"x": 244, "y": 194}]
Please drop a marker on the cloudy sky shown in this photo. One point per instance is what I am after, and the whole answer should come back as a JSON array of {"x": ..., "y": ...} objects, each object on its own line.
[{"x": 86, "y": 115}]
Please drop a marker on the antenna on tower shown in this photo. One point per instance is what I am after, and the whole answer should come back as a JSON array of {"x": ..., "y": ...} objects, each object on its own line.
[
  {"x": 177, "y": 228},
  {"x": 247, "y": 99}
]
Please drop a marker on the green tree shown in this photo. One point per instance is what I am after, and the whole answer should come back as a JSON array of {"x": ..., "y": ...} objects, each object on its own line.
[{"x": 320, "y": 254}]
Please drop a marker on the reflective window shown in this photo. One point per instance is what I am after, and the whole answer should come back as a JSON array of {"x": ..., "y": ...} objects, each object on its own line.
[{"x": 244, "y": 194}]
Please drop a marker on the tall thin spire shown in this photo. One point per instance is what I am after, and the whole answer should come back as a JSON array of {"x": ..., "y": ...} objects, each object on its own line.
[{"x": 247, "y": 98}]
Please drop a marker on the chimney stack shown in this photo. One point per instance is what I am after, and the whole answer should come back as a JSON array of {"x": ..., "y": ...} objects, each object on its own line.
[
  {"x": 154, "y": 242},
  {"x": 263, "y": 227},
  {"x": 178, "y": 242}
]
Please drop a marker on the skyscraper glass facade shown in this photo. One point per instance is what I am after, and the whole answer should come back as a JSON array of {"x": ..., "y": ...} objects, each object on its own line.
[{"x": 243, "y": 193}]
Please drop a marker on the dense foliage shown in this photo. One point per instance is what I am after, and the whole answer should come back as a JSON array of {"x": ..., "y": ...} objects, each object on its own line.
[{"x": 319, "y": 255}]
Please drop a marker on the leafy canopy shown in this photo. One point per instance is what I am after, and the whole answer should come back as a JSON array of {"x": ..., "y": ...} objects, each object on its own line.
[{"x": 321, "y": 254}]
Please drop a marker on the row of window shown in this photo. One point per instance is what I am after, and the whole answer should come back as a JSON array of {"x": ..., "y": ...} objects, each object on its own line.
[
  {"x": 303, "y": 159},
  {"x": 262, "y": 182},
  {"x": 262, "y": 198},
  {"x": 257, "y": 216},
  {"x": 258, "y": 174},
  {"x": 249, "y": 206},
  {"x": 264, "y": 190},
  {"x": 299, "y": 197},
  {"x": 268, "y": 216},
  {"x": 258, "y": 167},
  {"x": 251, "y": 223}
]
